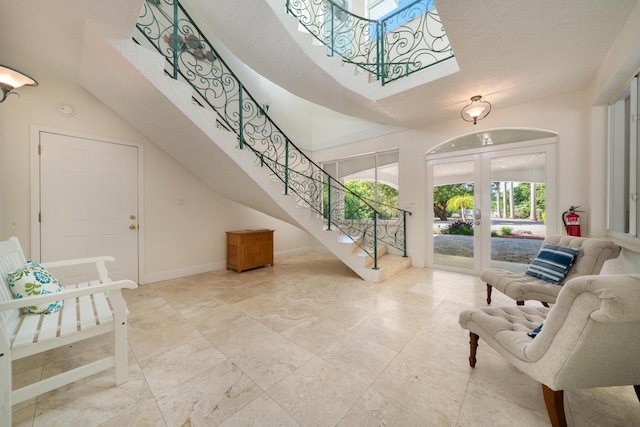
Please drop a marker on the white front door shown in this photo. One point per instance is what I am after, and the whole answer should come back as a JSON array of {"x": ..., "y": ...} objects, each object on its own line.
[{"x": 88, "y": 203}]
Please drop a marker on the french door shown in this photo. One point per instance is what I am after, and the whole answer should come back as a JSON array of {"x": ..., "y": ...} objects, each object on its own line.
[{"x": 491, "y": 207}]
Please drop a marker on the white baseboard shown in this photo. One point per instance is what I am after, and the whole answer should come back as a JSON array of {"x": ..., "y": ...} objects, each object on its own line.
[
  {"x": 182, "y": 272},
  {"x": 296, "y": 251},
  {"x": 205, "y": 268},
  {"x": 321, "y": 249}
]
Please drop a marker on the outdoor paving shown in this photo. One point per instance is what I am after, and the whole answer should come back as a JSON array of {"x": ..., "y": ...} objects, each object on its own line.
[{"x": 510, "y": 249}]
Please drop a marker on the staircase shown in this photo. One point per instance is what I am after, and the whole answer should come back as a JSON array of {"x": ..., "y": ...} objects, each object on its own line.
[{"x": 242, "y": 166}]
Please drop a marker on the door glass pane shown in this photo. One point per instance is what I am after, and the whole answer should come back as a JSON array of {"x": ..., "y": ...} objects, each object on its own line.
[
  {"x": 453, "y": 200},
  {"x": 518, "y": 201}
]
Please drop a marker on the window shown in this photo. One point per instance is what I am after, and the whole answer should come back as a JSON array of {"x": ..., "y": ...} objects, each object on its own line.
[
  {"x": 378, "y": 8},
  {"x": 373, "y": 177},
  {"x": 624, "y": 161}
]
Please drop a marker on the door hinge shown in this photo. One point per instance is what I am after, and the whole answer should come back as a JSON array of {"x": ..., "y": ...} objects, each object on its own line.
[
  {"x": 39, "y": 149},
  {"x": 40, "y": 217}
]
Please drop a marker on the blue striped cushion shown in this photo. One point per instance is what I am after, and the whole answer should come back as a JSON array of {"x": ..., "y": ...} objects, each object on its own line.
[{"x": 552, "y": 263}]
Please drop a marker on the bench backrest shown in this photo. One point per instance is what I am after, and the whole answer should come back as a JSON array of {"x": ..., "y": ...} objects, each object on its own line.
[{"x": 11, "y": 258}]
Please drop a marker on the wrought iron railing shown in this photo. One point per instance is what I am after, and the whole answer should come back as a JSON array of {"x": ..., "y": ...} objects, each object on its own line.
[
  {"x": 167, "y": 27},
  {"x": 407, "y": 40}
]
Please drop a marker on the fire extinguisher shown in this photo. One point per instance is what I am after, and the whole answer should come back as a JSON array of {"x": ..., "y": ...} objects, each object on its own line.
[{"x": 571, "y": 221}]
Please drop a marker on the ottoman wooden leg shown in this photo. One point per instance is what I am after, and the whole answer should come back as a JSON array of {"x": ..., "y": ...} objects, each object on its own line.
[{"x": 473, "y": 346}]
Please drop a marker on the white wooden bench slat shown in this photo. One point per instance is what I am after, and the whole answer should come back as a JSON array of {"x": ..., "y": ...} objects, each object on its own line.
[
  {"x": 88, "y": 311},
  {"x": 28, "y": 328},
  {"x": 103, "y": 308},
  {"x": 69, "y": 320},
  {"x": 87, "y": 314},
  {"x": 49, "y": 326}
]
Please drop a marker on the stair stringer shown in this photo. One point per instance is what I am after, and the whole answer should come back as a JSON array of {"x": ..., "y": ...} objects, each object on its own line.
[{"x": 163, "y": 111}]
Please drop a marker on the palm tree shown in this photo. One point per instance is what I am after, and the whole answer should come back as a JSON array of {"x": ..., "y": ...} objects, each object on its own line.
[{"x": 460, "y": 202}]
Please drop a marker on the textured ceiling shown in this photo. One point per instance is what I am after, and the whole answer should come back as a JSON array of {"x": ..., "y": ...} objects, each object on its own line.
[{"x": 509, "y": 51}]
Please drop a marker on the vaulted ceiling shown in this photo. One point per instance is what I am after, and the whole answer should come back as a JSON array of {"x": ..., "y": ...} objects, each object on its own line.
[{"x": 509, "y": 51}]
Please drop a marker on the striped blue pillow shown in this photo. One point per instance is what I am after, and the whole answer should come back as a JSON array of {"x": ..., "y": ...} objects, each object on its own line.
[{"x": 552, "y": 263}]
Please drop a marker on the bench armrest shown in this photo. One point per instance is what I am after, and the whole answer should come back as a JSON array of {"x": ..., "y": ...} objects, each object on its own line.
[
  {"x": 99, "y": 261},
  {"x": 67, "y": 293}
]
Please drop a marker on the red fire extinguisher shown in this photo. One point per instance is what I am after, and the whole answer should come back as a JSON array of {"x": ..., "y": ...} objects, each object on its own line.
[{"x": 571, "y": 221}]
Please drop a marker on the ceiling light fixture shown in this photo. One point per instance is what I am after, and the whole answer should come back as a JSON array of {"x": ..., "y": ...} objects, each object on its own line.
[
  {"x": 11, "y": 79},
  {"x": 476, "y": 109}
]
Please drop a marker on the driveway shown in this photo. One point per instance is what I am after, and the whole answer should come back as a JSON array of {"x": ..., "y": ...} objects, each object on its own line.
[{"x": 508, "y": 249}]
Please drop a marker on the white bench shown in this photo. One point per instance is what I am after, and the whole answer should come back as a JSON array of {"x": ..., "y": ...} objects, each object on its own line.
[{"x": 90, "y": 309}]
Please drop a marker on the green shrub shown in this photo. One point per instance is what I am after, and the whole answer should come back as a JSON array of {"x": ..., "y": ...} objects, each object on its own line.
[
  {"x": 459, "y": 227},
  {"x": 506, "y": 231},
  {"x": 494, "y": 233}
]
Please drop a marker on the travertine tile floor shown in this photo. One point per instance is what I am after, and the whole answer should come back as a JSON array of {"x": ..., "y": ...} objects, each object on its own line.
[{"x": 306, "y": 343}]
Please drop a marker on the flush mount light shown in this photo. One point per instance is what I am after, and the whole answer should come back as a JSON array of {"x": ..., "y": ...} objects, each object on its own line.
[
  {"x": 476, "y": 109},
  {"x": 11, "y": 79}
]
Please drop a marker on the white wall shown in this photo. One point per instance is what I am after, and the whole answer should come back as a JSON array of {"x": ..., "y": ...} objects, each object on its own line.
[
  {"x": 620, "y": 64},
  {"x": 179, "y": 239}
]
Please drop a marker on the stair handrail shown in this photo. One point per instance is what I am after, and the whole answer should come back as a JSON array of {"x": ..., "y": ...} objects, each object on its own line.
[
  {"x": 216, "y": 86},
  {"x": 383, "y": 229},
  {"x": 407, "y": 40}
]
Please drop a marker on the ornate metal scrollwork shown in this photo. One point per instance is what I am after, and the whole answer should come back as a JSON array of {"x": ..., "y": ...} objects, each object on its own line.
[{"x": 408, "y": 40}]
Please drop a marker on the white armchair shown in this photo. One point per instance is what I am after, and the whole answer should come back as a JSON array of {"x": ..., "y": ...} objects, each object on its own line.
[
  {"x": 590, "y": 337},
  {"x": 592, "y": 254}
]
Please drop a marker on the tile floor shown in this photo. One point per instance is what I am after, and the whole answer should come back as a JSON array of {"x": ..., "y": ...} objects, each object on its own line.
[{"x": 305, "y": 343}]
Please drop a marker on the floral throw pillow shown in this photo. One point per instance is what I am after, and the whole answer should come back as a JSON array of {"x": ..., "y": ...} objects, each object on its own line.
[{"x": 33, "y": 279}]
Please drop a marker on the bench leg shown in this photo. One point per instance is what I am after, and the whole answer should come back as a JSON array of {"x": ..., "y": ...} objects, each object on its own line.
[
  {"x": 120, "y": 335},
  {"x": 554, "y": 401},
  {"x": 473, "y": 347},
  {"x": 5, "y": 382},
  {"x": 122, "y": 364},
  {"x": 489, "y": 288}
]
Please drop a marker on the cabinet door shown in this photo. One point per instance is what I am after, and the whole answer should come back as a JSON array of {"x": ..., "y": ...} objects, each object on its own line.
[
  {"x": 249, "y": 255},
  {"x": 265, "y": 252}
]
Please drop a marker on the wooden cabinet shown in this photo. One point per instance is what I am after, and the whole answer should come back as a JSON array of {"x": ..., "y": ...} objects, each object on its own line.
[{"x": 249, "y": 249}]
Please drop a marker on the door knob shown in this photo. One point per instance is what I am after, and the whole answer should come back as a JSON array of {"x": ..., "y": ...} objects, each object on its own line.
[{"x": 132, "y": 227}]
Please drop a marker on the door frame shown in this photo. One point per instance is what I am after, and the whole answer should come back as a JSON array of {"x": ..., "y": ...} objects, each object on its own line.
[
  {"x": 35, "y": 131},
  {"x": 482, "y": 246}
]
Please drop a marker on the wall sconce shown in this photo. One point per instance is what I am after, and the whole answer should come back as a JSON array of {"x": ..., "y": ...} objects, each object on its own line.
[
  {"x": 11, "y": 79},
  {"x": 476, "y": 109}
]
